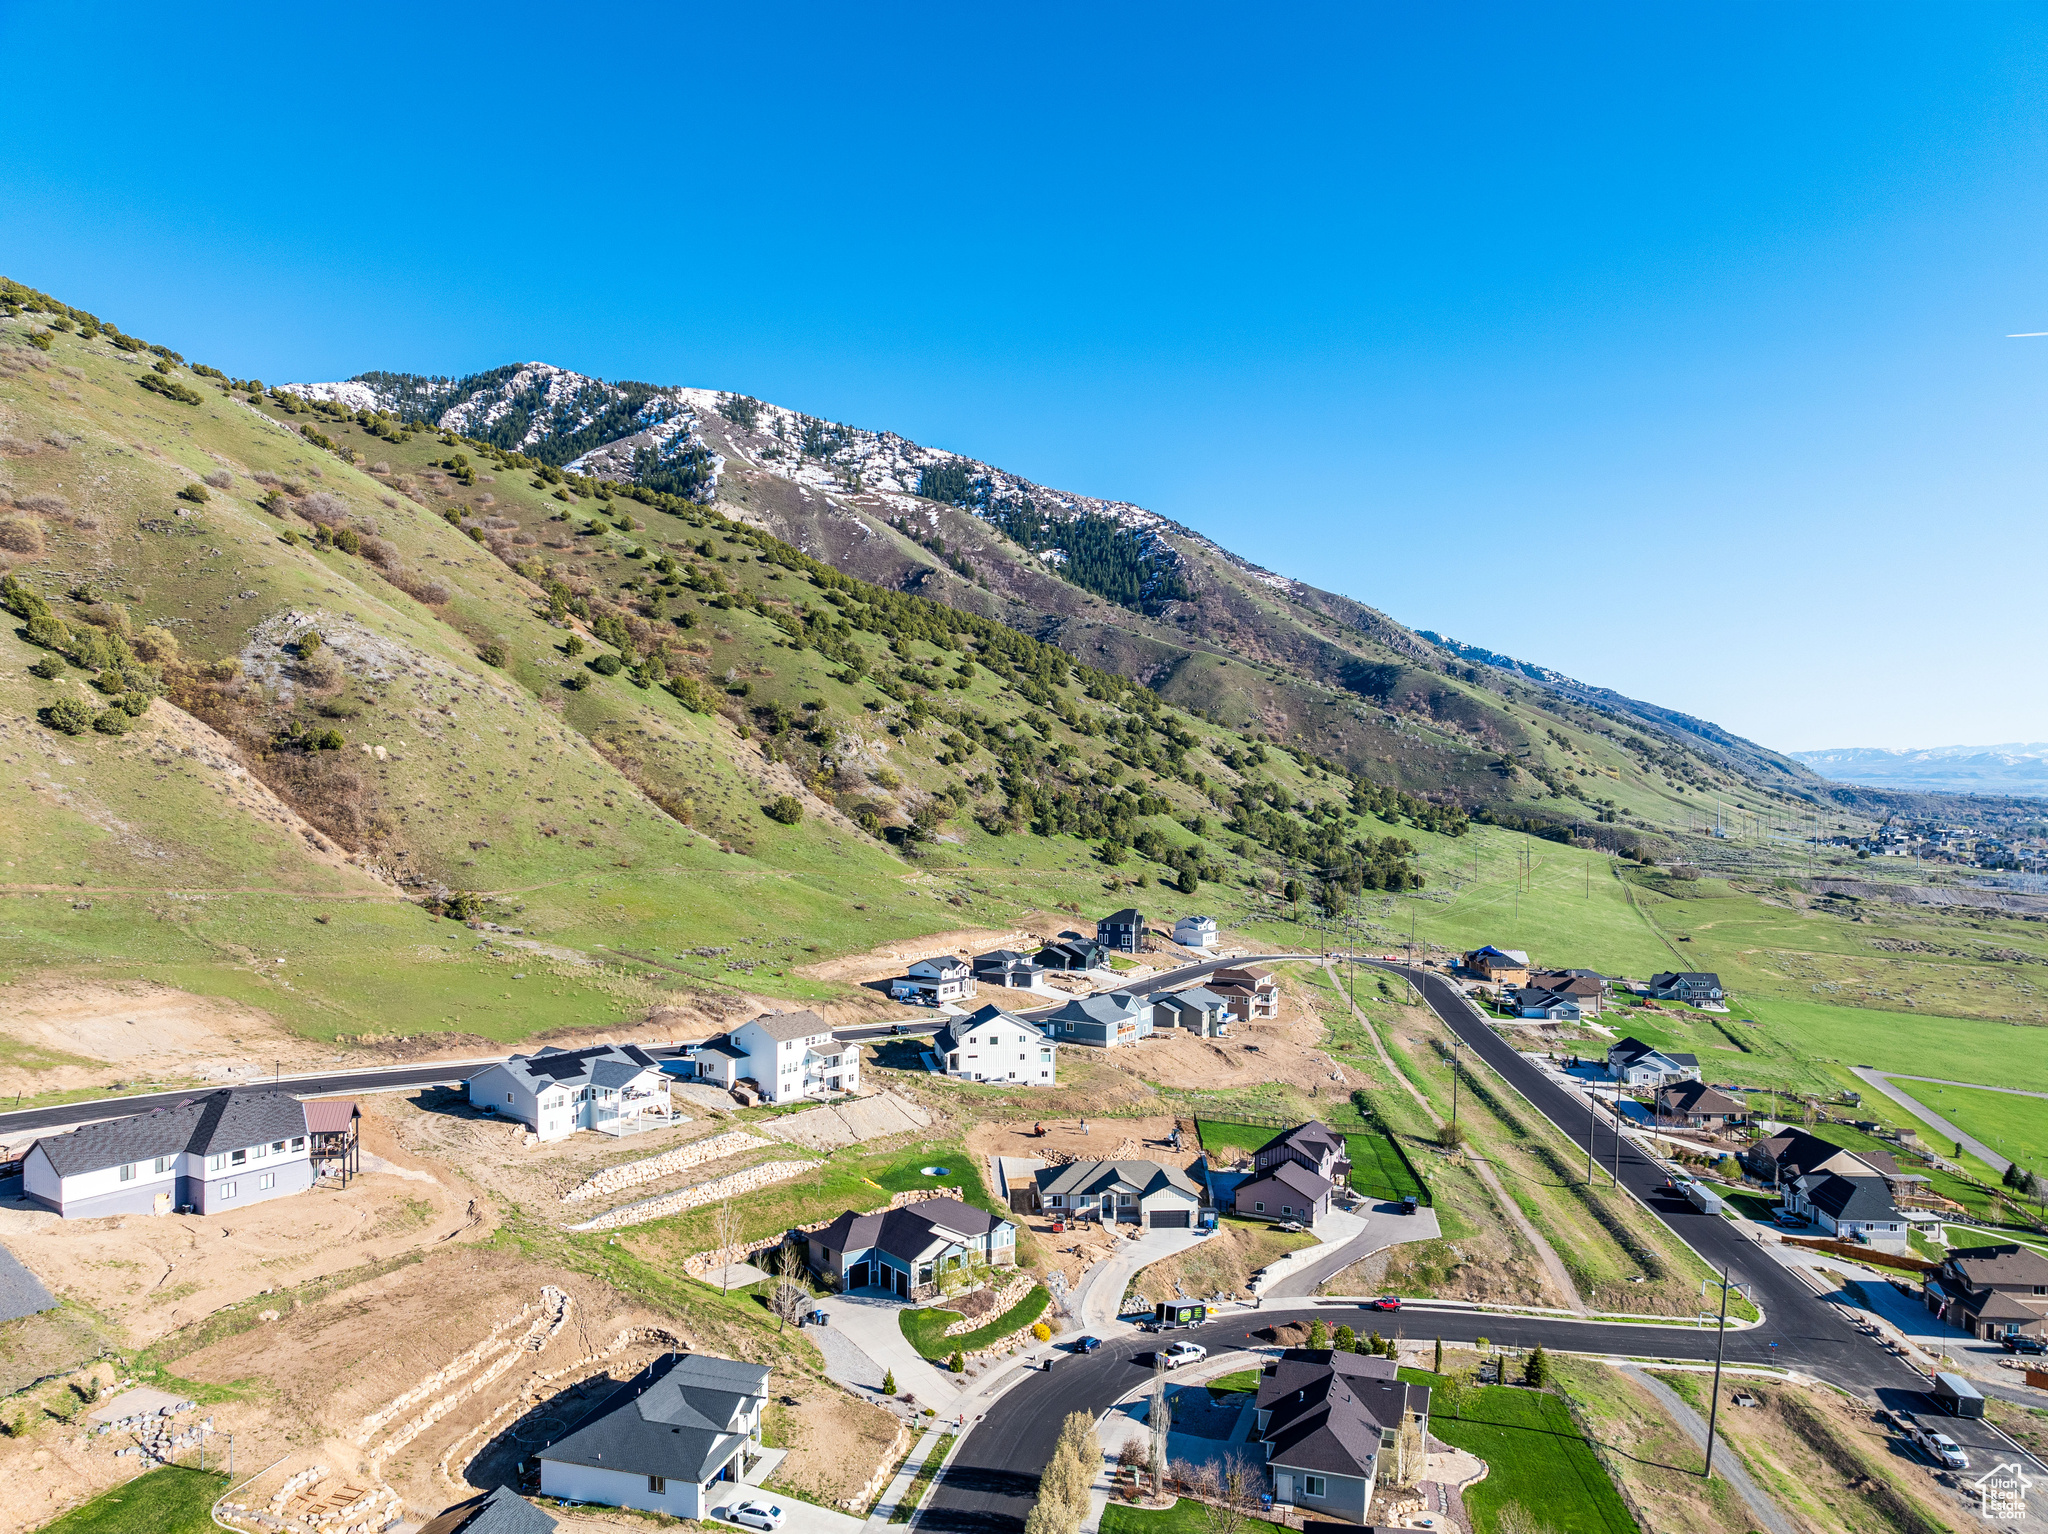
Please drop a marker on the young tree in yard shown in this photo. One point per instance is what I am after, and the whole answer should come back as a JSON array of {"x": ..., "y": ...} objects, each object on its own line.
[
  {"x": 1536, "y": 1368},
  {"x": 726, "y": 1227},
  {"x": 1437, "y": 1367},
  {"x": 790, "y": 1297},
  {"x": 1230, "y": 1492},
  {"x": 1347, "y": 1340},
  {"x": 888, "y": 1382},
  {"x": 1318, "y": 1333}
]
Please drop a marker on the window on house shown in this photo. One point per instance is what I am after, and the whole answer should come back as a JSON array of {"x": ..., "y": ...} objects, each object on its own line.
[
  {"x": 1315, "y": 1486},
  {"x": 163, "y": 1163},
  {"x": 215, "y": 1163},
  {"x": 128, "y": 1172},
  {"x": 508, "y": 1097},
  {"x": 657, "y": 1485},
  {"x": 298, "y": 1142},
  {"x": 1058, "y": 1201},
  {"x": 277, "y": 1147},
  {"x": 237, "y": 1158},
  {"x": 1259, "y": 1208},
  {"x": 259, "y": 1151},
  {"x": 230, "y": 1189},
  {"x": 266, "y": 1182}
]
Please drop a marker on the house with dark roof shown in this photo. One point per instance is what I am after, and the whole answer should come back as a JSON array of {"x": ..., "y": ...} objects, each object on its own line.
[
  {"x": 1103, "y": 1021},
  {"x": 779, "y": 1057},
  {"x": 1589, "y": 990},
  {"x": 616, "y": 1088},
  {"x": 1290, "y": 1191},
  {"x": 1539, "y": 1002},
  {"x": 1696, "y": 988},
  {"x": 1073, "y": 954},
  {"x": 1313, "y": 1145},
  {"x": 1635, "y": 1064},
  {"x": 1330, "y": 1423},
  {"x": 1129, "y": 1192},
  {"x": 1498, "y": 966},
  {"x": 665, "y": 1440},
  {"x": 1849, "y": 1208},
  {"x": 1992, "y": 1291},
  {"x": 1122, "y": 931},
  {"x": 1250, "y": 990},
  {"x": 1695, "y": 1105},
  {"x": 906, "y": 1251},
  {"x": 502, "y": 1511},
  {"x": 1792, "y": 1152},
  {"x": 1009, "y": 969},
  {"x": 992, "y": 1045},
  {"x": 1198, "y": 1010},
  {"x": 208, "y": 1154}
]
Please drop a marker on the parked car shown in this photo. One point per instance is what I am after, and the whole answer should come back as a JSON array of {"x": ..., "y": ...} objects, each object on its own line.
[
  {"x": 1410, "y": 1204},
  {"x": 1384, "y": 1302},
  {"x": 1291, "y": 1227},
  {"x": 1087, "y": 1344},
  {"x": 2026, "y": 1345},
  {"x": 1946, "y": 1450},
  {"x": 758, "y": 1515},
  {"x": 1184, "y": 1353}
]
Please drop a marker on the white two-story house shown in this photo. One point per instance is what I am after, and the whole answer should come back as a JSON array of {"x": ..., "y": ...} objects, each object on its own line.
[
  {"x": 785, "y": 1055},
  {"x": 676, "y": 1438},
  {"x": 936, "y": 981},
  {"x": 612, "y": 1088},
  {"x": 207, "y": 1154},
  {"x": 991, "y": 1045}
]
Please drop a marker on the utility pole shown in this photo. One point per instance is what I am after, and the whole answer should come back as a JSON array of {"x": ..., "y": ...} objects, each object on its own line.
[
  {"x": 1615, "y": 1175},
  {"x": 1456, "y": 1045},
  {"x": 1720, "y": 1350}
]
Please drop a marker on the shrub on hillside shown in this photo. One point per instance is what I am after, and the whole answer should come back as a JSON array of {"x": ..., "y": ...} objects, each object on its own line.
[
  {"x": 70, "y": 715},
  {"x": 47, "y": 668},
  {"x": 113, "y": 721},
  {"x": 785, "y": 808},
  {"x": 169, "y": 388},
  {"x": 19, "y": 536},
  {"x": 492, "y": 654},
  {"x": 607, "y": 665},
  {"x": 576, "y": 681},
  {"x": 220, "y": 479},
  {"x": 197, "y": 494}
]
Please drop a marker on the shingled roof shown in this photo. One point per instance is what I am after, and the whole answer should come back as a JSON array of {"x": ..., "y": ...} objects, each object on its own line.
[
  {"x": 906, "y": 1233},
  {"x": 220, "y": 1121},
  {"x": 1327, "y": 1409},
  {"x": 679, "y": 1418}
]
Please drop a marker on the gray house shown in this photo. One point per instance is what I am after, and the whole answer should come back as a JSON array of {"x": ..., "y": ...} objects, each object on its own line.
[
  {"x": 1073, "y": 954},
  {"x": 1535, "y": 1001},
  {"x": 1290, "y": 1191},
  {"x": 664, "y": 1440},
  {"x": 1327, "y": 1419},
  {"x": 1314, "y": 1146},
  {"x": 1007, "y": 968},
  {"x": 211, "y": 1153},
  {"x": 500, "y": 1511},
  {"x": 1122, "y": 931},
  {"x": 1197, "y": 1009},
  {"x": 1105, "y": 1021},
  {"x": 1636, "y": 1064},
  {"x": 905, "y": 1251},
  {"x": 1696, "y": 987},
  {"x": 1131, "y": 1192}
]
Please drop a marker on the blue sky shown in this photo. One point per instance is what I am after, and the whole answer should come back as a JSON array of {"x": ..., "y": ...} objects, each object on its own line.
[{"x": 1663, "y": 345}]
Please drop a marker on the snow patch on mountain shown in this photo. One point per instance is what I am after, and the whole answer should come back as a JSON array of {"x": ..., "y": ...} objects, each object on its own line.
[{"x": 356, "y": 396}]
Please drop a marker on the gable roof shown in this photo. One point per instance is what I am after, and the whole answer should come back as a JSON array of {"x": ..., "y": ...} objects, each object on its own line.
[
  {"x": 1326, "y": 1410},
  {"x": 1110, "y": 1008},
  {"x": 331, "y": 1115},
  {"x": 1313, "y": 1138},
  {"x": 1849, "y": 1198},
  {"x": 1991, "y": 1266},
  {"x": 941, "y": 963},
  {"x": 1241, "y": 974},
  {"x": 1143, "y": 1177},
  {"x": 907, "y": 1233},
  {"x": 1697, "y": 1097},
  {"x": 1004, "y": 958},
  {"x": 553, "y": 1067},
  {"x": 1129, "y": 916},
  {"x": 1665, "y": 979},
  {"x": 502, "y": 1511},
  {"x": 955, "y": 1029},
  {"x": 224, "y": 1120},
  {"x": 676, "y": 1418},
  {"x": 1198, "y": 997},
  {"x": 784, "y": 1026},
  {"x": 1291, "y": 1174}
]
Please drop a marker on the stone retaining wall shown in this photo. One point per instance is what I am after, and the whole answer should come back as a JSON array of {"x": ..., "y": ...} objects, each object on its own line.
[
  {"x": 1008, "y": 1295},
  {"x": 711, "y": 1192},
  {"x": 631, "y": 1174}
]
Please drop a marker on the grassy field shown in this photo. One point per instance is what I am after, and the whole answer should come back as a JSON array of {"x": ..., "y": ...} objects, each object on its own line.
[
  {"x": 1537, "y": 1461},
  {"x": 923, "y": 1327},
  {"x": 167, "y": 1500},
  {"x": 1184, "y": 1517},
  {"x": 2016, "y": 1127}
]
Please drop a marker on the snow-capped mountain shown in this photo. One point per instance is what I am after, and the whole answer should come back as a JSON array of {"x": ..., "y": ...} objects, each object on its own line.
[{"x": 2016, "y": 768}]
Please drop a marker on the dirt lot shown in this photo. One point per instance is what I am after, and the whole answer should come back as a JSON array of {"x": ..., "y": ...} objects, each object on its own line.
[{"x": 150, "y": 1274}]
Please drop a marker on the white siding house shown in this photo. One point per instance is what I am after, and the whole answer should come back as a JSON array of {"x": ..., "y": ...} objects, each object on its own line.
[
  {"x": 614, "y": 1088},
  {"x": 991, "y": 1045},
  {"x": 785, "y": 1055},
  {"x": 937, "y": 980},
  {"x": 675, "y": 1439},
  {"x": 1195, "y": 932},
  {"x": 207, "y": 1154}
]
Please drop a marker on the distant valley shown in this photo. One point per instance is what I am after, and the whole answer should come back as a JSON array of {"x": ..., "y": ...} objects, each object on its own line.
[{"x": 2019, "y": 769}]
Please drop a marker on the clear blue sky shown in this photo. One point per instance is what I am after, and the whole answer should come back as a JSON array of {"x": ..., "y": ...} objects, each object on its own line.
[{"x": 1660, "y": 344}]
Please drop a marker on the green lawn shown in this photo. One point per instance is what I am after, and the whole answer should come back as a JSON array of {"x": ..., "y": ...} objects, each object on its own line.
[
  {"x": 168, "y": 1500},
  {"x": 923, "y": 1327},
  {"x": 1184, "y": 1517},
  {"x": 1377, "y": 1169},
  {"x": 2016, "y": 1127},
  {"x": 1233, "y": 1384},
  {"x": 1535, "y": 1456}
]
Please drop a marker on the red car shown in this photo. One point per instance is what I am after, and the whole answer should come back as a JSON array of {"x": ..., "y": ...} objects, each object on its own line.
[{"x": 1384, "y": 1302}]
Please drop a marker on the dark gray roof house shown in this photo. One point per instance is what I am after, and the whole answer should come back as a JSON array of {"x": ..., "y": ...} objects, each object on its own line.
[
  {"x": 502, "y": 1511},
  {"x": 1314, "y": 1146},
  {"x": 1105, "y": 1020},
  {"x": 1143, "y": 1192},
  {"x": 1326, "y": 1418},
  {"x": 222, "y": 1120},
  {"x": 905, "y": 1250},
  {"x": 1289, "y": 1191},
  {"x": 683, "y": 1417},
  {"x": 190, "y": 1154},
  {"x": 1122, "y": 930}
]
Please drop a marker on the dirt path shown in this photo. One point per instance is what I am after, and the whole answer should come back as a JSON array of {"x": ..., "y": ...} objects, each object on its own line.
[{"x": 1552, "y": 1265}]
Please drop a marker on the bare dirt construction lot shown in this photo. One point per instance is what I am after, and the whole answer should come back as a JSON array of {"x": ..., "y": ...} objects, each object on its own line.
[
  {"x": 152, "y": 1274},
  {"x": 62, "y": 1036}
]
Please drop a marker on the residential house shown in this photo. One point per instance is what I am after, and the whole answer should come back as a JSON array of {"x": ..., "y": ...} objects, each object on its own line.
[
  {"x": 905, "y": 1251},
  {"x": 208, "y": 1154},
  {"x": 1533, "y": 1001},
  {"x": 1849, "y": 1208},
  {"x": 1635, "y": 1064},
  {"x": 992, "y": 1045},
  {"x": 780, "y": 1057},
  {"x": 1290, "y": 1191},
  {"x": 1130, "y": 1192},
  {"x": 1992, "y": 1291},
  {"x": 1197, "y": 1009},
  {"x": 1251, "y": 991},
  {"x": 501, "y": 1511},
  {"x": 937, "y": 980},
  {"x": 1122, "y": 931},
  {"x": 1695, "y": 1105},
  {"x": 675, "y": 1439},
  {"x": 1073, "y": 954},
  {"x": 1694, "y": 987},
  {"x": 1008, "y": 969},
  {"x": 1312, "y": 1145},
  {"x": 1498, "y": 966},
  {"x": 1104, "y": 1021},
  {"x": 555, "y": 1092},
  {"x": 1790, "y": 1153},
  {"x": 1195, "y": 932},
  {"x": 1326, "y": 1420},
  {"x": 1585, "y": 987}
]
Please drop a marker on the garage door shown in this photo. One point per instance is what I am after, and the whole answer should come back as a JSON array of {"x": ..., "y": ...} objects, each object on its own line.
[
  {"x": 1169, "y": 1219},
  {"x": 857, "y": 1276}
]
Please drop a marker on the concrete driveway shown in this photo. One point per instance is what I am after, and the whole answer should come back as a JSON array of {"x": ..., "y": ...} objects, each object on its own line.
[
  {"x": 1348, "y": 1237},
  {"x": 1100, "y": 1297},
  {"x": 797, "y": 1517},
  {"x": 868, "y": 1318}
]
